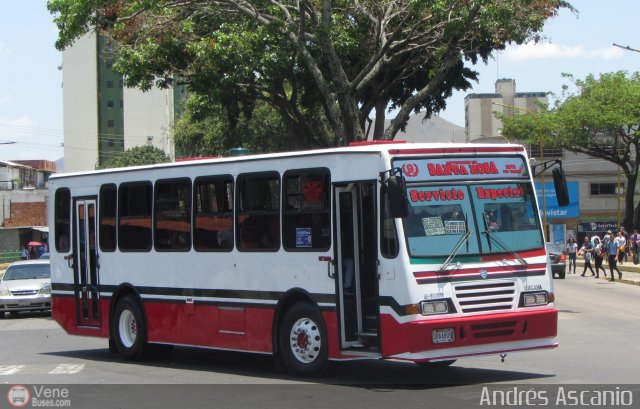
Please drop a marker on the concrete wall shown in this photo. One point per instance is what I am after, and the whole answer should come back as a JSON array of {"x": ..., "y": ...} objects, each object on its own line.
[{"x": 20, "y": 208}]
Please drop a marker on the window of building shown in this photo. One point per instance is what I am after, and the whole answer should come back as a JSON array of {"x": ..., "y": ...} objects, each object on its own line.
[
  {"x": 599, "y": 189},
  {"x": 213, "y": 213},
  {"x": 307, "y": 224},
  {"x": 107, "y": 214},
  {"x": 109, "y": 84},
  {"x": 110, "y": 104},
  {"x": 62, "y": 220},
  {"x": 172, "y": 210},
  {"x": 258, "y": 215},
  {"x": 110, "y": 123},
  {"x": 134, "y": 221}
]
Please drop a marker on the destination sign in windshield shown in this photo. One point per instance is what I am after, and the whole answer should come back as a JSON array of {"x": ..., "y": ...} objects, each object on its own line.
[{"x": 417, "y": 170}]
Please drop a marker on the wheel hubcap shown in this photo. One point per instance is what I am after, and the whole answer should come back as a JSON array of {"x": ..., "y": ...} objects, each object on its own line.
[
  {"x": 305, "y": 340},
  {"x": 128, "y": 329}
]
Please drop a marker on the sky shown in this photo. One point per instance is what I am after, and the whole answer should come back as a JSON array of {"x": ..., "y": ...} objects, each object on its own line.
[{"x": 31, "y": 80}]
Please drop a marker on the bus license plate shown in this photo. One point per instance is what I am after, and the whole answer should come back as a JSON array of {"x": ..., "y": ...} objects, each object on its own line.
[{"x": 441, "y": 336}]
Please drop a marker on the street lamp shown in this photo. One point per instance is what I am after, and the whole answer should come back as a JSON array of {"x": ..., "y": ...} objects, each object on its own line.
[{"x": 541, "y": 144}]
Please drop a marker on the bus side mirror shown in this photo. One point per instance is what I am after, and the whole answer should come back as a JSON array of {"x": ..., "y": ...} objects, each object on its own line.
[
  {"x": 397, "y": 191},
  {"x": 560, "y": 184}
]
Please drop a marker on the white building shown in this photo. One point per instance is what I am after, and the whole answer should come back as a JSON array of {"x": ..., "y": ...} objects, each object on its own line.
[
  {"x": 101, "y": 117},
  {"x": 480, "y": 109}
]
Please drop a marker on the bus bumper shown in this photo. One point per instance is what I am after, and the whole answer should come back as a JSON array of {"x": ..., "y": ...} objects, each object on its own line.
[{"x": 469, "y": 336}]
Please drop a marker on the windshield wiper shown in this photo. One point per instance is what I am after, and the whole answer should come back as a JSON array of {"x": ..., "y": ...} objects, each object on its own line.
[
  {"x": 464, "y": 239},
  {"x": 505, "y": 247}
]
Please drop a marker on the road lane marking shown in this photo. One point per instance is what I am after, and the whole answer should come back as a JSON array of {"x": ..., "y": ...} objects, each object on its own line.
[
  {"x": 10, "y": 369},
  {"x": 67, "y": 369}
]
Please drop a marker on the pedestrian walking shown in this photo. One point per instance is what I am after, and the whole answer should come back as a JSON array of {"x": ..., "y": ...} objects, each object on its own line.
[
  {"x": 572, "y": 250},
  {"x": 587, "y": 252},
  {"x": 612, "y": 254},
  {"x": 598, "y": 256},
  {"x": 635, "y": 246},
  {"x": 622, "y": 246},
  {"x": 24, "y": 254},
  {"x": 626, "y": 249}
]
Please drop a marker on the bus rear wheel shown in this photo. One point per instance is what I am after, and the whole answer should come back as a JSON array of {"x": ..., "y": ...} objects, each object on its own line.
[
  {"x": 129, "y": 328},
  {"x": 303, "y": 341}
]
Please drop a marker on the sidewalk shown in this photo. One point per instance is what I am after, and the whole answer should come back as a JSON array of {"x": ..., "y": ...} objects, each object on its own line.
[{"x": 630, "y": 272}]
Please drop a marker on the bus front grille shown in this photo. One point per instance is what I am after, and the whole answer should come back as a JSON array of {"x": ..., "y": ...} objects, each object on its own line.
[{"x": 485, "y": 297}]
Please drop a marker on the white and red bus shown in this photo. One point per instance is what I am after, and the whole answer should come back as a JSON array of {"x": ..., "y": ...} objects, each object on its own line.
[{"x": 420, "y": 252}]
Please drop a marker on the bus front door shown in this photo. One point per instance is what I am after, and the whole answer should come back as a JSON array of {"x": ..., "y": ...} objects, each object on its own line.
[
  {"x": 86, "y": 267},
  {"x": 357, "y": 265}
]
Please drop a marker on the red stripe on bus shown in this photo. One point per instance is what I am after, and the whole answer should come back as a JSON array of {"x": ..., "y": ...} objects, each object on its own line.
[{"x": 494, "y": 270}]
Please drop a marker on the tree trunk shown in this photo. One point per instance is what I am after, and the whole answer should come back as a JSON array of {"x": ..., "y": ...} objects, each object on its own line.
[
  {"x": 378, "y": 130},
  {"x": 629, "y": 221}
]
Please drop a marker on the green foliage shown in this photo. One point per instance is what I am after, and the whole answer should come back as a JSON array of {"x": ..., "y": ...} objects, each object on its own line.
[
  {"x": 335, "y": 63},
  {"x": 601, "y": 119},
  {"x": 197, "y": 135},
  {"x": 140, "y": 155}
]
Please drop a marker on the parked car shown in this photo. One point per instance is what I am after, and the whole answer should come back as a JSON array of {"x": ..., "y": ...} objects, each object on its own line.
[
  {"x": 44, "y": 256},
  {"x": 26, "y": 286},
  {"x": 558, "y": 260}
]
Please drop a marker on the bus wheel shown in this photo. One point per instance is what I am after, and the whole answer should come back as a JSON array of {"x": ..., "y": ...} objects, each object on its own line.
[
  {"x": 303, "y": 341},
  {"x": 436, "y": 364},
  {"x": 129, "y": 328}
]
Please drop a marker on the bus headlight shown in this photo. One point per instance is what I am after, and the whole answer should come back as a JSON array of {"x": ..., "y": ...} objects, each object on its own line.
[
  {"x": 45, "y": 290},
  {"x": 434, "y": 307},
  {"x": 533, "y": 299}
]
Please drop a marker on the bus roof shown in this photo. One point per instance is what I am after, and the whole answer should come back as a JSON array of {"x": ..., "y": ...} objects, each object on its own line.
[{"x": 391, "y": 148}]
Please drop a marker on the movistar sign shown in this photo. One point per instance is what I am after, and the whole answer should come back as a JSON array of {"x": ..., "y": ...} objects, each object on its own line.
[{"x": 571, "y": 211}]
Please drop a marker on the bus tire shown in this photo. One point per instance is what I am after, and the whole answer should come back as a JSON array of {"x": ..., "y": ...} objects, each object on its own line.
[
  {"x": 129, "y": 329},
  {"x": 302, "y": 341}
]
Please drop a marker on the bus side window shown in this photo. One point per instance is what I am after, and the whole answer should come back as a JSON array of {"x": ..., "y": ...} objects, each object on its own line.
[
  {"x": 258, "y": 216},
  {"x": 107, "y": 217},
  {"x": 134, "y": 210},
  {"x": 306, "y": 214},
  {"x": 389, "y": 246},
  {"x": 213, "y": 213},
  {"x": 62, "y": 220},
  {"x": 172, "y": 214}
]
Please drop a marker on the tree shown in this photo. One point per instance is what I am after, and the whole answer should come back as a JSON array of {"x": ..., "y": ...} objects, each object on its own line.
[
  {"x": 214, "y": 135},
  {"x": 140, "y": 155},
  {"x": 353, "y": 58},
  {"x": 601, "y": 119}
]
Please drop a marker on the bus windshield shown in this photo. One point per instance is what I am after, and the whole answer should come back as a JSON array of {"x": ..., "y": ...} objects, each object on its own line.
[{"x": 496, "y": 217}]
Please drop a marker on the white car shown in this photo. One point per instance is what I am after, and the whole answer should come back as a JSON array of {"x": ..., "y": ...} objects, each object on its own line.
[{"x": 26, "y": 286}]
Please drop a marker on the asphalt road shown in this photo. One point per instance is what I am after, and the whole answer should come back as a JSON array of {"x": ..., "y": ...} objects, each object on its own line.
[{"x": 599, "y": 336}]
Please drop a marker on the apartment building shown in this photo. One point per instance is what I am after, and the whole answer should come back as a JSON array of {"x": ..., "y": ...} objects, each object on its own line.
[{"x": 102, "y": 117}]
